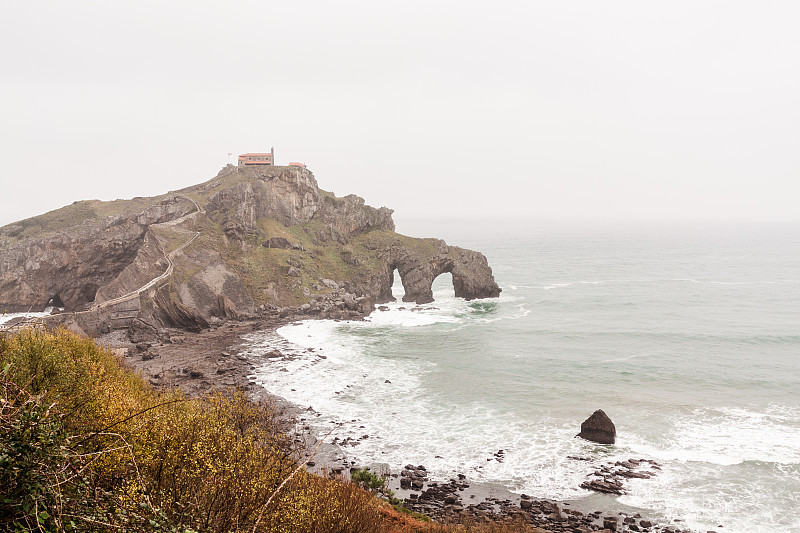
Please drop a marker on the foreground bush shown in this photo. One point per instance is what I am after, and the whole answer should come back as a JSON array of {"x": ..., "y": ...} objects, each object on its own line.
[{"x": 86, "y": 445}]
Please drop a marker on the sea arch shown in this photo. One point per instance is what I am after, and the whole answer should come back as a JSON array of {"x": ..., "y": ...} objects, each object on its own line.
[{"x": 419, "y": 266}]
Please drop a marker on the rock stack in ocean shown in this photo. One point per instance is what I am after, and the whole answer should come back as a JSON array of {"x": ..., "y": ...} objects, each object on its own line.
[{"x": 598, "y": 428}]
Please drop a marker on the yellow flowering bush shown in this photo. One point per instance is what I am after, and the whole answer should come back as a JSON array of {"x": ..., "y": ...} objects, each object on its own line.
[{"x": 86, "y": 445}]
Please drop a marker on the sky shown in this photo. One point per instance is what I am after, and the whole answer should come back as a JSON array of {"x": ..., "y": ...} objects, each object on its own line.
[{"x": 626, "y": 110}]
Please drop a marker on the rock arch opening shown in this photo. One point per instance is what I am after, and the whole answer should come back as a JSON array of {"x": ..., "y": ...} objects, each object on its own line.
[
  {"x": 55, "y": 301},
  {"x": 443, "y": 286},
  {"x": 398, "y": 291}
]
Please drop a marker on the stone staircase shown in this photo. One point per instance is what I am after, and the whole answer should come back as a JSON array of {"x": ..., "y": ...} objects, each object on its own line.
[{"x": 123, "y": 313}]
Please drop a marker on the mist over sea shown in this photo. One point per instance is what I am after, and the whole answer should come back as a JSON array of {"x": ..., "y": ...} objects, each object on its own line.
[{"x": 688, "y": 336}]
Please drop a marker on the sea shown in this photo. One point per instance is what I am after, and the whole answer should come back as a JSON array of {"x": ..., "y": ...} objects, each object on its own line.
[
  {"x": 7, "y": 317},
  {"x": 687, "y": 335}
]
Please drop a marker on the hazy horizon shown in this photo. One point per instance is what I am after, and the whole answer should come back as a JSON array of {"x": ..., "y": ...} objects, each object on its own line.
[{"x": 616, "y": 110}]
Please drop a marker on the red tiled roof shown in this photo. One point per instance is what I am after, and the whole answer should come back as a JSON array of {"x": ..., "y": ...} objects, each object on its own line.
[{"x": 253, "y": 153}]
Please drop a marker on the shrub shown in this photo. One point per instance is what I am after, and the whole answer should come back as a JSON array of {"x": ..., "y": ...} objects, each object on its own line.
[
  {"x": 86, "y": 445},
  {"x": 31, "y": 457},
  {"x": 368, "y": 481}
]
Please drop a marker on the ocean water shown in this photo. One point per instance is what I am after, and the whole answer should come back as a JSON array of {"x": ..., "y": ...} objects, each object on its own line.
[
  {"x": 687, "y": 336},
  {"x": 7, "y": 317}
]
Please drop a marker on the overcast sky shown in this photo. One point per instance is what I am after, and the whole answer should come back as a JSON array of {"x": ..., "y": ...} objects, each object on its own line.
[{"x": 623, "y": 109}]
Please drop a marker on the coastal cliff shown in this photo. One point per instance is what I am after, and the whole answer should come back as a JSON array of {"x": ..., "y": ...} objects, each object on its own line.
[{"x": 250, "y": 241}]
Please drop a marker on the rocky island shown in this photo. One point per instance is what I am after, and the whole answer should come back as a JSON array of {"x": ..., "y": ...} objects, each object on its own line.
[{"x": 255, "y": 240}]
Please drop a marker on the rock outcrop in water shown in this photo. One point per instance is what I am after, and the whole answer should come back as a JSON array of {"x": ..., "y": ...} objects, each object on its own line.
[
  {"x": 251, "y": 240},
  {"x": 599, "y": 428},
  {"x": 472, "y": 277}
]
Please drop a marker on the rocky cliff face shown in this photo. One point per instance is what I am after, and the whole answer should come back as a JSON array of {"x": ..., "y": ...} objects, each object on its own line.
[
  {"x": 250, "y": 240},
  {"x": 69, "y": 265},
  {"x": 67, "y": 268},
  {"x": 290, "y": 195}
]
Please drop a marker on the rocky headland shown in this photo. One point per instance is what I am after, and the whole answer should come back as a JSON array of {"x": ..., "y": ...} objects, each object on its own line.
[{"x": 252, "y": 242}]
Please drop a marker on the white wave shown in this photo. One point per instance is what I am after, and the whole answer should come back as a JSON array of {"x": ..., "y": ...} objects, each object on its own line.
[
  {"x": 733, "y": 283},
  {"x": 405, "y": 423},
  {"x": 409, "y": 422},
  {"x": 752, "y": 497},
  {"x": 561, "y": 285},
  {"x": 729, "y": 436},
  {"x": 385, "y": 398},
  {"x": 410, "y": 315},
  {"x": 6, "y": 317},
  {"x": 585, "y": 282},
  {"x": 557, "y": 286},
  {"x": 620, "y": 359}
]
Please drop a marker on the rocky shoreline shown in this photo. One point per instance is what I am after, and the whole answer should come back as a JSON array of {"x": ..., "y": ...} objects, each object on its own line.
[{"x": 212, "y": 359}]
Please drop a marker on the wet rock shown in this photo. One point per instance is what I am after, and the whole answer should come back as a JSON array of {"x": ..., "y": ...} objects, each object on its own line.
[
  {"x": 611, "y": 476},
  {"x": 598, "y": 428},
  {"x": 606, "y": 487},
  {"x": 632, "y": 474}
]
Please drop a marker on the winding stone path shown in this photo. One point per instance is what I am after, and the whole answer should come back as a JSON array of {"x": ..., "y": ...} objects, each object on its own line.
[{"x": 170, "y": 265}]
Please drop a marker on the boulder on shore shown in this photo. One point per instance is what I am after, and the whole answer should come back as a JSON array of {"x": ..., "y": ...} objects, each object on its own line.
[{"x": 598, "y": 428}]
